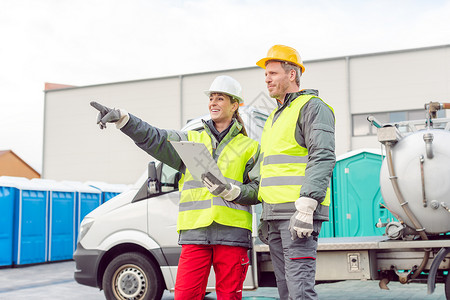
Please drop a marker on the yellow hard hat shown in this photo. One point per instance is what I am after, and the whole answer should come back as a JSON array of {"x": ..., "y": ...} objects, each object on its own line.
[{"x": 284, "y": 53}]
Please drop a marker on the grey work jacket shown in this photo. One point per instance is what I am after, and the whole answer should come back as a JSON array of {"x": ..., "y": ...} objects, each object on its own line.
[
  {"x": 155, "y": 142},
  {"x": 314, "y": 131}
]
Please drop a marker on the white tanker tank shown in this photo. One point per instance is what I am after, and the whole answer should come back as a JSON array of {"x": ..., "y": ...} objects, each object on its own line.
[{"x": 415, "y": 175}]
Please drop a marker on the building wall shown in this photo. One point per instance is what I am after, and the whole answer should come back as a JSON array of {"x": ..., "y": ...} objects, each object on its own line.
[
  {"x": 76, "y": 149},
  {"x": 398, "y": 81},
  {"x": 330, "y": 78}
]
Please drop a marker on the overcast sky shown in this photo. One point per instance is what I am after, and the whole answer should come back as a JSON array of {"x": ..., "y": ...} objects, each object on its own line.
[{"x": 85, "y": 42}]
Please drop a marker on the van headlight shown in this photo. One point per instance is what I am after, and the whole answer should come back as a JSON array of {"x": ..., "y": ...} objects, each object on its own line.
[{"x": 84, "y": 228}]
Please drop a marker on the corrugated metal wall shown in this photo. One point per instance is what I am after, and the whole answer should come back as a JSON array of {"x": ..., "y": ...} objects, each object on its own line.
[{"x": 76, "y": 149}]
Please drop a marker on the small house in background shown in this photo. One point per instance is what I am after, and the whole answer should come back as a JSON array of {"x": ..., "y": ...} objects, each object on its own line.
[{"x": 12, "y": 165}]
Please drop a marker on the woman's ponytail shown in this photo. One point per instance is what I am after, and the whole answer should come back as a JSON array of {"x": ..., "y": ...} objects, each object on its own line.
[{"x": 239, "y": 119}]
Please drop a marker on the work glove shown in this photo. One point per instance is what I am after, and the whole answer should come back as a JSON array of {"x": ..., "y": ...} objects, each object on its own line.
[
  {"x": 227, "y": 191},
  {"x": 110, "y": 115},
  {"x": 301, "y": 224}
]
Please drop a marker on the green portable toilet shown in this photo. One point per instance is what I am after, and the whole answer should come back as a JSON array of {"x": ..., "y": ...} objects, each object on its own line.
[{"x": 357, "y": 202}]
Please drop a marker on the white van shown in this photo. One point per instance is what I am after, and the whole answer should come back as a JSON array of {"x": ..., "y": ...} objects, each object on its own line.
[{"x": 129, "y": 245}]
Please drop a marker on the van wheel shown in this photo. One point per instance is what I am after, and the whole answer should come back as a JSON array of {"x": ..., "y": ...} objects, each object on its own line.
[{"x": 132, "y": 276}]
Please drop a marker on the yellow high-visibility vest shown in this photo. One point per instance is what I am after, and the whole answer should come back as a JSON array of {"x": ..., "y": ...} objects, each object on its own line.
[
  {"x": 198, "y": 207},
  {"x": 284, "y": 160}
]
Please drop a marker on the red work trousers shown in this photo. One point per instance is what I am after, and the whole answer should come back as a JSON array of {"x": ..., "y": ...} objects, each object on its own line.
[{"x": 230, "y": 266}]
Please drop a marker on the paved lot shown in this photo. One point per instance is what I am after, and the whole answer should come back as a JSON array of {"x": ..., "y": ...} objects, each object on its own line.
[{"x": 55, "y": 281}]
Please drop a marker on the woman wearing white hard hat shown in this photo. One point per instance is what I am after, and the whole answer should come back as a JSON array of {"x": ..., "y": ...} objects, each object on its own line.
[
  {"x": 214, "y": 219},
  {"x": 225, "y": 86}
]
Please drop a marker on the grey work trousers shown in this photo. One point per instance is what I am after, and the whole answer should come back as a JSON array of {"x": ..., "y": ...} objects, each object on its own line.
[{"x": 294, "y": 262}]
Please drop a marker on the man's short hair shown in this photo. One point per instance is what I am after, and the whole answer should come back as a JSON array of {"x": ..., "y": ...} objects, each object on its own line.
[{"x": 288, "y": 67}]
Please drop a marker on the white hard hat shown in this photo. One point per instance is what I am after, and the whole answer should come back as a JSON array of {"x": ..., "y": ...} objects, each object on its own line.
[{"x": 227, "y": 85}]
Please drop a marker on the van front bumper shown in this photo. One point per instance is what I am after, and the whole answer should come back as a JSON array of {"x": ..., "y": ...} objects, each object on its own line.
[{"x": 86, "y": 265}]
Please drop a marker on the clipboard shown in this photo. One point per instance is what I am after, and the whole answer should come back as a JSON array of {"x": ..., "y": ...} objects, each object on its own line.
[{"x": 197, "y": 159}]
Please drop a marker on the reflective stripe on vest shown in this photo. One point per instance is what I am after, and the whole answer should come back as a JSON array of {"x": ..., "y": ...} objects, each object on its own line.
[
  {"x": 198, "y": 207},
  {"x": 284, "y": 160}
]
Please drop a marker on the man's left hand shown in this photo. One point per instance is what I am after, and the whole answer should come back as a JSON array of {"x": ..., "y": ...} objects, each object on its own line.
[{"x": 301, "y": 223}]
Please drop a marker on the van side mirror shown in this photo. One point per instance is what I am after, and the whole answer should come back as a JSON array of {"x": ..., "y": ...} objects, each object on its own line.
[
  {"x": 152, "y": 170},
  {"x": 153, "y": 183}
]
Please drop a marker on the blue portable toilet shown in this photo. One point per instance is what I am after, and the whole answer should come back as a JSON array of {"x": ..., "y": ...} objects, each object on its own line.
[
  {"x": 30, "y": 221},
  {"x": 108, "y": 190},
  {"x": 61, "y": 220},
  {"x": 8, "y": 196},
  {"x": 357, "y": 201},
  {"x": 88, "y": 198}
]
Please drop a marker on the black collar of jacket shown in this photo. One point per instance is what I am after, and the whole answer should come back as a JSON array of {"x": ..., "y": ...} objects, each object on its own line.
[
  {"x": 218, "y": 135},
  {"x": 292, "y": 96}
]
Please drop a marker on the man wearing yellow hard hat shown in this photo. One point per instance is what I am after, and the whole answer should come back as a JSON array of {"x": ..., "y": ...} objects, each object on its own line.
[{"x": 297, "y": 161}]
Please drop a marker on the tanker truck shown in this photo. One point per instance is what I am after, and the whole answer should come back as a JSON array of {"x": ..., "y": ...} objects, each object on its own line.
[{"x": 414, "y": 182}]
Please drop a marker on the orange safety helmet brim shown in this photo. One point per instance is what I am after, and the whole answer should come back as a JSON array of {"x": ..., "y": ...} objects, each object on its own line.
[{"x": 283, "y": 53}]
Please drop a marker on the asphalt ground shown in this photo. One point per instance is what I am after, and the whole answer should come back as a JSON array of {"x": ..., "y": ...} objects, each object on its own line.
[{"x": 55, "y": 281}]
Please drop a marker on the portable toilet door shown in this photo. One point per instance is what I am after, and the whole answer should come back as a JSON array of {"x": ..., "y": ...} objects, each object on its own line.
[
  {"x": 30, "y": 223},
  {"x": 61, "y": 225},
  {"x": 87, "y": 199},
  {"x": 9, "y": 194},
  {"x": 358, "y": 204}
]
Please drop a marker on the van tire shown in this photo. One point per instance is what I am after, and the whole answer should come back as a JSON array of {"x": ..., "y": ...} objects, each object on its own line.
[{"x": 132, "y": 276}]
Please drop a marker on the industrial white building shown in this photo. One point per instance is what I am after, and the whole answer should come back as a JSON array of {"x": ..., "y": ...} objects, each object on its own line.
[{"x": 392, "y": 86}]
